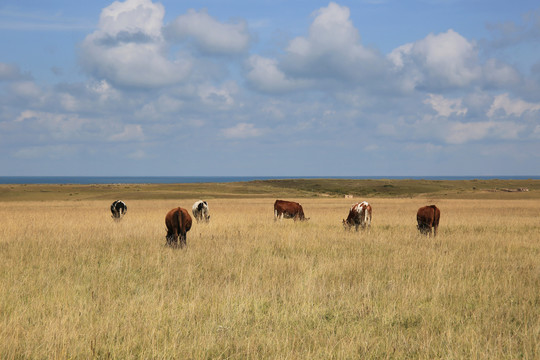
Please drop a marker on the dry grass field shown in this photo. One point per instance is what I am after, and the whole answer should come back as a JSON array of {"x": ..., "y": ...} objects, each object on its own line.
[{"x": 76, "y": 284}]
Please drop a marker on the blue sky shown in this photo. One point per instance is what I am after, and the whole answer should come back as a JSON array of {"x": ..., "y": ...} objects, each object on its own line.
[{"x": 292, "y": 88}]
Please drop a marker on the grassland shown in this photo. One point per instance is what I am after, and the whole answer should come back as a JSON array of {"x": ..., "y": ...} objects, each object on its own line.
[
  {"x": 76, "y": 284},
  {"x": 303, "y": 188}
]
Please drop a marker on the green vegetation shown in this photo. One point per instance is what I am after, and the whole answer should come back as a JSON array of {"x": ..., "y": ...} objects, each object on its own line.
[{"x": 386, "y": 188}]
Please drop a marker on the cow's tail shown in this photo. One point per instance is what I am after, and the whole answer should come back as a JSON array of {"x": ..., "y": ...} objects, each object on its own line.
[
  {"x": 179, "y": 218},
  {"x": 181, "y": 230},
  {"x": 436, "y": 216},
  {"x": 366, "y": 215}
]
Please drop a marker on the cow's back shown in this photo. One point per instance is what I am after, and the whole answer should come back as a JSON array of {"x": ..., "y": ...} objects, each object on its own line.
[
  {"x": 289, "y": 209},
  {"x": 428, "y": 215},
  {"x": 359, "y": 214},
  {"x": 178, "y": 219}
]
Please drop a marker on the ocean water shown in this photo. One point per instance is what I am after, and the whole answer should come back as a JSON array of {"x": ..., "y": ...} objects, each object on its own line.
[{"x": 83, "y": 180}]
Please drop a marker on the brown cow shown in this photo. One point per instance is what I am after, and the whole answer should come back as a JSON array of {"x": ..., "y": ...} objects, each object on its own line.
[
  {"x": 178, "y": 223},
  {"x": 288, "y": 210},
  {"x": 359, "y": 215},
  {"x": 427, "y": 218}
]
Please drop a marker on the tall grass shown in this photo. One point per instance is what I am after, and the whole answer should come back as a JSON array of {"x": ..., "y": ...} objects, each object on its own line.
[{"x": 76, "y": 284}]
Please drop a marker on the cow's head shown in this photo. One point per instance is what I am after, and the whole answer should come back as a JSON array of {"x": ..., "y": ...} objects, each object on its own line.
[
  {"x": 346, "y": 224},
  {"x": 424, "y": 229},
  {"x": 300, "y": 216}
]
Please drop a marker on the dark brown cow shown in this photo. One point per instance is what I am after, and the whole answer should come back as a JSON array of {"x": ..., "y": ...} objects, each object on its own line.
[
  {"x": 178, "y": 223},
  {"x": 288, "y": 210},
  {"x": 359, "y": 215},
  {"x": 427, "y": 218}
]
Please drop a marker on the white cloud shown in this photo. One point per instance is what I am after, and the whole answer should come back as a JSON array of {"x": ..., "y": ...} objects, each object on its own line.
[
  {"x": 242, "y": 131},
  {"x": 332, "y": 49},
  {"x": 132, "y": 17},
  {"x": 9, "y": 72},
  {"x": 438, "y": 61},
  {"x": 264, "y": 75},
  {"x": 27, "y": 89},
  {"x": 209, "y": 35},
  {"x": 536, "y": 132},
  {"x": 220, "y": 97},
  {"x": 459, "y": 133},
  {"x": 138, "y": 155},
  {"x": 511, "y": 107},
  {"x": 26, "y": 114},
  {"x": 46, "y": 152},
  {"x": 128, "y": 48},
  {"x": 55, "y": 126},
  {"x": 496, "y": 73},
  {"x": 425, "y": 148},
  {"x": 130, "y": 133},
  {"x": 445, "y": 107}
]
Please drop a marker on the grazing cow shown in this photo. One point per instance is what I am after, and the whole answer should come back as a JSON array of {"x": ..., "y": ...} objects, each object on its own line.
[
  {"x": 178, "y": 222},
  {"x": 359, "y": 215},
  {"x": 200, "y": 211},
  {"x": 427, "y": 218},
  {"x": 288, "y": 210},
  {"x": 118, "y": 209}
]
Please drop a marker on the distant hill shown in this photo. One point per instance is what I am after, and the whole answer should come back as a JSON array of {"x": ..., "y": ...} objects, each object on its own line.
[{"x": 387, "y": 188}]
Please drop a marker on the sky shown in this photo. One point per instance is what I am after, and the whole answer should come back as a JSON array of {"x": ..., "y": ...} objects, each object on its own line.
[{"x": 269, "y": 88}]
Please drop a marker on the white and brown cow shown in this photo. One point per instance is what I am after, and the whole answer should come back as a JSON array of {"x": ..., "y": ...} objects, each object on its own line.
[
  {"x": 201, "y": 211},
  {"x": 118, "y": 209},
  {"x": 359, "y": 216},
  {"x": 428, "y": 218},
  {"x": 178, "y": 222},
  {"x": 288, "y": 210}
]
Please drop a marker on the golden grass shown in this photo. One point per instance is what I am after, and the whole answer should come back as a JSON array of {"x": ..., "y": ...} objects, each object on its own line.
[{"x": 76, "y": 284}]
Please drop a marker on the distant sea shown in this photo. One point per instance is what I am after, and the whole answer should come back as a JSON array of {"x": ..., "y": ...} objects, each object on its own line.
[{"x": 83, "y": 180}]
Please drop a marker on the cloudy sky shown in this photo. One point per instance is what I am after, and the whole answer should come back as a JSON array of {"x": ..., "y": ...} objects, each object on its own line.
[{"x": 275, "y": 88}]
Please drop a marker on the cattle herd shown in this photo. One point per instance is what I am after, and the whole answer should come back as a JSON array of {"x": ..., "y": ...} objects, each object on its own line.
[{"x": 178, "y": 220}]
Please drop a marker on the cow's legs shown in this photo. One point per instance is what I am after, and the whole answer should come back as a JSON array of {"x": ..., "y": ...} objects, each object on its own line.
[
  {"x": 183, "y": 239},
  {"x": 169, "y": 237},
  {"x": 176, "y": 239},
  {"x": 172, "y": 238}
]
